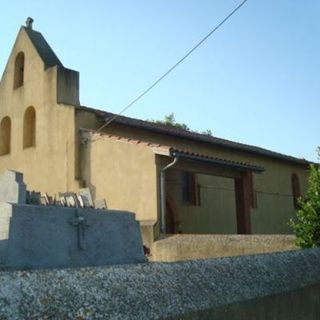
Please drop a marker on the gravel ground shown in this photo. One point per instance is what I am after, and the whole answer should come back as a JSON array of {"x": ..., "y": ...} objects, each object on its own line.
[{"x": 153, "y": 290}]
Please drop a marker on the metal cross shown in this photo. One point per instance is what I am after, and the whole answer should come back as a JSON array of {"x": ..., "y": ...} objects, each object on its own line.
[{"x": 81, "y": 223}]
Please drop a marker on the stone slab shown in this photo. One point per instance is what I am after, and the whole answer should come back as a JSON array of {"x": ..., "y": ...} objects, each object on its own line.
[
  {"x": 85, "y": 193},
  {"x": 43, "y": 237}
]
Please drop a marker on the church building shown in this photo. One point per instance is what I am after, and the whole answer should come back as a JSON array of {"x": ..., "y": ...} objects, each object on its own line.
[{"x": 175, "y": 181}]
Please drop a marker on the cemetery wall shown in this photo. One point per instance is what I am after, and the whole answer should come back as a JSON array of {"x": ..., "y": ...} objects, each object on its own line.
[
  {"x": 268, "y": 286},
  {"x": 204, "y": 246}
]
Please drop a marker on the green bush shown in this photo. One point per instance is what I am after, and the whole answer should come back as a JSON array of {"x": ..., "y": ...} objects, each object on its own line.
[{"x": 306, "y": 224}]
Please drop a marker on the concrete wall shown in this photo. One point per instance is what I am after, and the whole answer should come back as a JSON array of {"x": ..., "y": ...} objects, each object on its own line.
[
  {"x": 282, "y": 286},
  {"x": 298, "y": 304},
  {"x": 49, "y": 166},
  {"x": 189, "y": 247}
]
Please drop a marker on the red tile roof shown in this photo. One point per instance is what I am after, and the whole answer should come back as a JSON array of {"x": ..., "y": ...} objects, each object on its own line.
[
  {"x": 190, "y": 135},
  {"x": 182, "y": 154}
]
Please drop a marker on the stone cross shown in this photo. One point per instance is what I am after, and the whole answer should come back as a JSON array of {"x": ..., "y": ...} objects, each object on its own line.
[
  {"x": 80, "y": 222},
  {"x": 12, "y": 187}
]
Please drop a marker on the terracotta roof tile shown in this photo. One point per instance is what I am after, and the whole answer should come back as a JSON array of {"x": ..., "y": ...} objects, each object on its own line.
[
  {"x": 184, "y": 134},
  {"x": 184, "y": 154}
]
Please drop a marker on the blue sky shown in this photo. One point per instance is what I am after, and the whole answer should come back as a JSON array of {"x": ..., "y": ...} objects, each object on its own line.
[{"x": 256, "y": 81}]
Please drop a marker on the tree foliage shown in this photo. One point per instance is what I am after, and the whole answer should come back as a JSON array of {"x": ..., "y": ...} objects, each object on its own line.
[
  {"x": 306, "y": 224},
  {"x": 170, "y": 120}
]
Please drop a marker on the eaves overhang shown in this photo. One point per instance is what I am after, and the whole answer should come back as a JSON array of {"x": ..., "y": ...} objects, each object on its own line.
[{"x": 241, "y": 166}]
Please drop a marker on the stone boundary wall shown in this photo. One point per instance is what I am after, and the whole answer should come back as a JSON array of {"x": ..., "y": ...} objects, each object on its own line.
[
  {"x": 180, "y": 247},
  {"x": 158, "y": 290}
]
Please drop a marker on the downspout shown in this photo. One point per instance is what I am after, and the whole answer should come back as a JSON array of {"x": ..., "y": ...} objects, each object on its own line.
[{"x": 163, "y": 195}]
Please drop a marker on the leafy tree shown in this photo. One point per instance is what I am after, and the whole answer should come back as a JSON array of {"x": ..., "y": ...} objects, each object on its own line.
[
  {"x": 170, "y": 120},
  {"x": 306, "y": 224},
  {"x": 207, "y": 132}
]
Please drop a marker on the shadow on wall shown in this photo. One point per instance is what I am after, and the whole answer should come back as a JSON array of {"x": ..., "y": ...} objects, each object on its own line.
[
  {"x": 85, "y": 163},
  {"x": 302, "y": 304},
  {"x": 3, "y": 250}
]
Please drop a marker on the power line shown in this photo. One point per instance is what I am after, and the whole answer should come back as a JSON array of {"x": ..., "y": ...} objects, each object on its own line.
[
  {"x": 210, "y": 187},
  {"x": 173, "y": 67}
]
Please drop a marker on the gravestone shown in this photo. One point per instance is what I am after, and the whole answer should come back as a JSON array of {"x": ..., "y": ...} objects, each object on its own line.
[
  {"x": 86, "y": 196},
  {"x": 12, "y": 187},
  {"x": 33, "y": 197},
  {"x": 100, "y": 204}
]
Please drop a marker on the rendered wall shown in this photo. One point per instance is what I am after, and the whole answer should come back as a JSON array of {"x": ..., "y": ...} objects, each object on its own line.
[
  {"x": 49, "y": 166},
  {"x": 121, "y": 173},
  {"x": 55, "y": 162},
  {"x": 215, "y": 211},
  {"x": 273, "y": 186}
]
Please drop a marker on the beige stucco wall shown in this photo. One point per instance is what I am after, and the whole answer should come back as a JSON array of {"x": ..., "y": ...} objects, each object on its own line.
[
  {"x": 273, "y": 186},
  {"x": 127, "y": 175},
  {"x": 123, "y": 174},
  {"x": 216, "y": 212},
  {"x": 49, "y": 166},
  {"x": 274, "y": 198}
]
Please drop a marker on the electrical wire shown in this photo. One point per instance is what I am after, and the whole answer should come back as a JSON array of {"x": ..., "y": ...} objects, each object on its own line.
[
  {"x": 172, "y": 68},
  {"x": 175, "y": 183}
]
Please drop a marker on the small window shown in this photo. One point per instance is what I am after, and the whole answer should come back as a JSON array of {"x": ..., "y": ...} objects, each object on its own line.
[
  {"x": 5, "y": 136},
  {"x": 29, "y": 128},
  {"x": 295, "y": 190},
  {"x": 190, "y": 189},
  {"x": 19, "y": 71}
]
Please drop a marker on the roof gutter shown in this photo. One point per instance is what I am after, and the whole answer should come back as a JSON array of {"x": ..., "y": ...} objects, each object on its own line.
[
  {"x": 163, "y": 194},
  {"x": 219, "y": 162}
]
